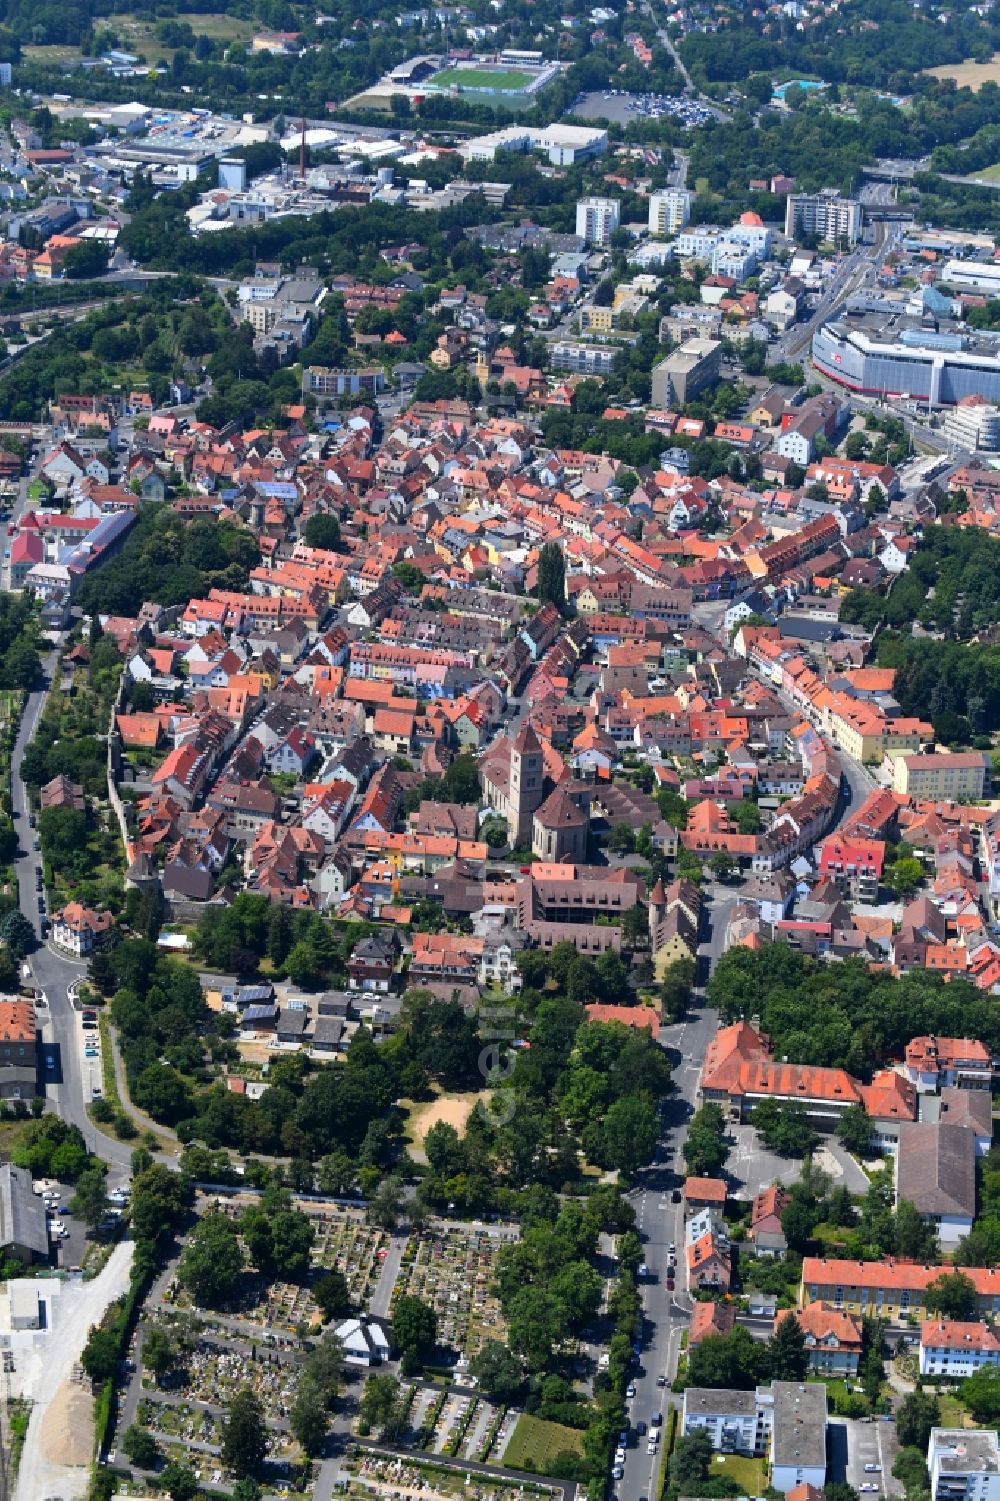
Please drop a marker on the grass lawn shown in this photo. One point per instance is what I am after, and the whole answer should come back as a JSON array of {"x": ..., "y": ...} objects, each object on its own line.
[
  {"x": 953, "y": 1414},
  {"x": 56, "y": 57},
  {"x": 992, "y": 174},
  {"x": 505, "y": 80},
  {"x": 748, "y": 1473},
  {"x": 12, "y": 1134},
  {"x": 538, "y": 1442}
]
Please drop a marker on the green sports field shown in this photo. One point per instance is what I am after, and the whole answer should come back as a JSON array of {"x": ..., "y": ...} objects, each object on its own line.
[{"x": 501, "y": 80}]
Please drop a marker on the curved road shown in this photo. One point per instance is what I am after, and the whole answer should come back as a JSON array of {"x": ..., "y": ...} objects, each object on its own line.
[{"x": 67, "y": 1085}]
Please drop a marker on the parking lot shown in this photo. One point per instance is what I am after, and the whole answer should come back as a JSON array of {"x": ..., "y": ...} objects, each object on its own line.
[
  {"x": 871, "y": 1443},
  {"x": 67, "y": 1234},
  {"x": 623, "y": 107},
  {"x": 753, "y": 1167},
  {"x": 89, "y": 1043}
]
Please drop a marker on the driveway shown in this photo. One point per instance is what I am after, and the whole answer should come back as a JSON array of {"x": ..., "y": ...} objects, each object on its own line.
[{"x": 62, "y": 1408}]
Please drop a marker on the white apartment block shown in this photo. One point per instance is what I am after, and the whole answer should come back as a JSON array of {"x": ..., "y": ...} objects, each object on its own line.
[
  {"x": 957, "y": 1349},
  {"x": 669, "y": 211},
  {"x": 597, "y": 219},
  {"x": 825, "y": 214},
  {"x": 786, "y": 1421},
  {"x": 974, "y": 423},
  {"x": 964, "y": 1464}
]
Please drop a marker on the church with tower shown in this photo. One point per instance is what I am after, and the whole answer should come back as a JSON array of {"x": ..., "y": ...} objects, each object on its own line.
[{"x": 513, "y": 775}]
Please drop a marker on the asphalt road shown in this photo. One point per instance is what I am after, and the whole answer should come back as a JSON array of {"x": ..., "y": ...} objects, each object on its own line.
[
  {"x": 661, "y": 1223},
  {"x": 68, "y": 1084}
]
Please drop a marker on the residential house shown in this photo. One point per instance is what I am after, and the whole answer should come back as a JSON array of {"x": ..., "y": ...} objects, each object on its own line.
[
  {"x": 78, "y": 930},
  {"x": 832, "y": 1338}
]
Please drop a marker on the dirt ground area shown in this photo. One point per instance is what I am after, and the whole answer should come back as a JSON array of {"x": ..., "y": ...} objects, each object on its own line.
[
  {"x": 452, "y": 1109},
  {"x": 67, "y": 1431},
  {"x": 970, "y": 75}
]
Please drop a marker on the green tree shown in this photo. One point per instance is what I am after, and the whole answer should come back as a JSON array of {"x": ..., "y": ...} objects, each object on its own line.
[
  {"x": 63, "y": 833},
  {"x": 839, "y": 1490},
  {"x": 212, "y": 1262},
  {"x": 325, "y": 1367},
  {"x": 100, "y": 1355},
  {"x": 630, "y": 1133},
  {"x": 952, "y": 1296},
  {"x": 917, "y": 1414},
  {"x": 141, "y": 1447},
  {"x": 854, "y": 1129},
  {"x": 785, "y": 1127},
  {"x": 244, "y": 1435},
  {"x": 723, "y": 866},
  {"x": 17, "y": 933},
  {"x": 498, "y": 1371},
  {"x": 158, "y": 1353},
  {"x": 90, "y": 1199},
  {"x": 381, "y": 1407},
  {"x": 675, "y": 989},
  {"x": 308, "y": 1416},
  {"x": 387, "y": 1201},
  {"x": 322, "y": 530},
  {"x": 705, "y": 1150},
  {"x": 788, "y": 1357},
  {"x": 736, "y": 1361},
  {"x": 551, "y": 586},
  {"x": 414, "y": 1327},
  {"x": 910, "y": 1467},
  {"x": 904, "y": 876},
  {"x": 332, "y": 1295},
  {"x": 85, "y": 260},
  {"x": 179, "y": 1481},
  {"x": 914, "y": 1236},
  {"x": 621, "y": 840},
  {"x": 160, "y": 1202},
  {"x": 689, "y": 1463},
  {"x": 981, "y": 1394}
]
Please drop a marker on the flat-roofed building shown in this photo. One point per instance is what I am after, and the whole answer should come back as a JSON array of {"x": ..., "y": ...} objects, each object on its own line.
[
  {"x": 824, "y": 214},
  {"x": 679, "y": 378},
  {"x": 964, "y": 1464},
  {"x": 669, "y": 211}
]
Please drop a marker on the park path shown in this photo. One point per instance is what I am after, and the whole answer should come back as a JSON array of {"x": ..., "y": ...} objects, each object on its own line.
[{"x": 382, "y": 1295}]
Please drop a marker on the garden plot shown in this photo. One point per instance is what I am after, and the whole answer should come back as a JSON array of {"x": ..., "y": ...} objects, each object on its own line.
[
  {"x": 399, "y": 1477},
  {"x": 422, "y": 1404},
  {"x": 501, "y": 1437},
  {"x": 345, "y": 1243},
  {"x": 214, "y": 1375},
  {"x": 179, "y": 1421},
  {"x": 450, "y": 1426},
  {"x": 194, "y": 1426},
  {"x": 452, "y": 1268}
]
